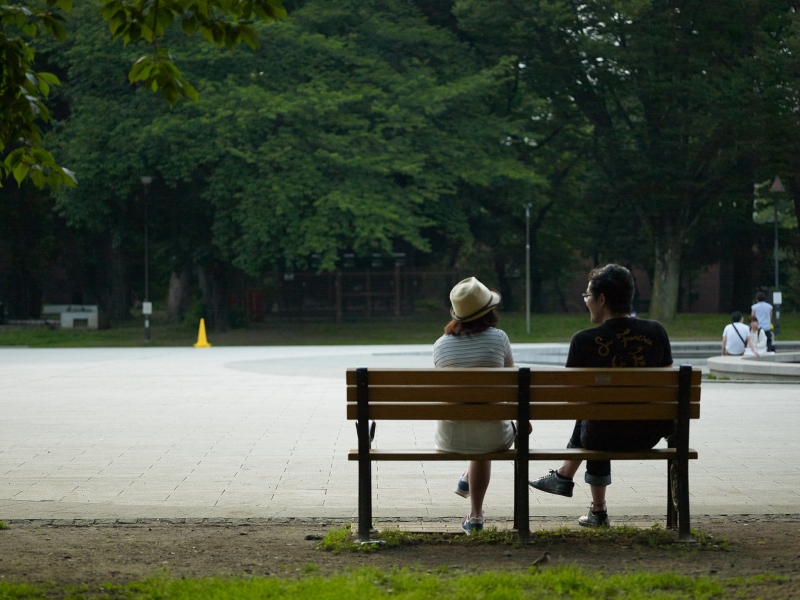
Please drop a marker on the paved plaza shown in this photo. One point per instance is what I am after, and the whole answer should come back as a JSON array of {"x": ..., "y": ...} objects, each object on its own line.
[{"x": 260, "y": 432}]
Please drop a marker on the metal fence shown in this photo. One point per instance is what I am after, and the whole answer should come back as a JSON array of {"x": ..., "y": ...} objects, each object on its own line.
[{"x": 347, "y": 294}]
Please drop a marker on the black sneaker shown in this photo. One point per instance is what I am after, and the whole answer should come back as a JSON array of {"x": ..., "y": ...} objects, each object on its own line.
[
  {"x": 554, "y": 484},
  {"x": 594, "y": 519}
]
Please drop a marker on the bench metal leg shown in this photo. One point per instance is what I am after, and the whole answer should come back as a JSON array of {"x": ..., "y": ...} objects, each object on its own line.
[
  {"x": 672, "y": 494},
  {"x": 521, "y": 506},
  {"x": 364, "y": 462},
  {"x": 684, "y": 528},
  {"x": 364, "y": 500},
  {"x": 516, "y": 497}
]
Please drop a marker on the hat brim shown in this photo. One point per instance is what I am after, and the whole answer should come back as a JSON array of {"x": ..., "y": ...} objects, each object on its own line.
[{"x": 493, "y": 302}]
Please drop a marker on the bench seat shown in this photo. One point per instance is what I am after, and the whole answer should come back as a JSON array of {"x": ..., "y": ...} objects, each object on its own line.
[{"x": 413, "y": 454}]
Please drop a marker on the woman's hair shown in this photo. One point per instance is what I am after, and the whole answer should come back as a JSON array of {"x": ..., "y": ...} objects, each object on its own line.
[
  {"x": 754, "y": 318},
  {"x": 483, "y": 323},
  {"x": 615, "y": 282}
]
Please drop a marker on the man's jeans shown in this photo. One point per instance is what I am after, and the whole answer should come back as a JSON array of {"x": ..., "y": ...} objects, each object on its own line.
[{"x": 598, "y": 472}]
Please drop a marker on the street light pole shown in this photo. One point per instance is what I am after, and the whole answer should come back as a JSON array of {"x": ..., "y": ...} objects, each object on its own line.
[
  {"x": 777, "y": 187},
  {"x": 147, "y": 307},
  {"x": 528, "y": 268}
]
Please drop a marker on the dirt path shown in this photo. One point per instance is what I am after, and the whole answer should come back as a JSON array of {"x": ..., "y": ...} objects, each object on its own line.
[{"x": 93, "y": 554}]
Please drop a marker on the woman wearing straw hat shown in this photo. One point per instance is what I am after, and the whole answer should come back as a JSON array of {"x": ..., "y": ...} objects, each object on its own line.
[{"x": 471, "y": 340}]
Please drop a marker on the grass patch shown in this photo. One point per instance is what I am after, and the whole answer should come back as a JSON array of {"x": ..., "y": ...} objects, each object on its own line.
[
  {"x": 342, "y": 540},
  {"x": 546, "y": 584},
  {"x": 3, "y": 525},
  {"x": 417, "y": 329}
]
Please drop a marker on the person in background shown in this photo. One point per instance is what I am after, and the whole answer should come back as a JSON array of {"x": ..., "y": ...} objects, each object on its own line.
[
  {"x": 758, "y": 337},
  {"x": 763, "y": 311},
  {"x": 471, "y": 340},
  {"x": 619, "y": 340},
  {"x": 736, "y": 336}
]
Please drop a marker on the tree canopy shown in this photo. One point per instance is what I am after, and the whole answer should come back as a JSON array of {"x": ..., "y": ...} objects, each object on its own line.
[{"x": 632, "y": 130}]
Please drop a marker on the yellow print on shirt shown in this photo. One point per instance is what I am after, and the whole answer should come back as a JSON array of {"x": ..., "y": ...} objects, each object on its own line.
[
  {"x": 625, "y": 337},
  {"x": 603, "y": 347},
  {"x": 632, "y": 357}
]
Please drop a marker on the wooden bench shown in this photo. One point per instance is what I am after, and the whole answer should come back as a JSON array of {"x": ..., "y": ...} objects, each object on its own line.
[{"x": 521, "y": 394}]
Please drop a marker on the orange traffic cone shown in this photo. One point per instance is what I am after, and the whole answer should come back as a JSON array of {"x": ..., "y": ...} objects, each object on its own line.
[{"x": 202, "y": 342}]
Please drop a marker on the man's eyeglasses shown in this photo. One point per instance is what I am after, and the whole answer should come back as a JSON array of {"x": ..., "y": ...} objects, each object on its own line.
[{"x": 585, "y": 295}]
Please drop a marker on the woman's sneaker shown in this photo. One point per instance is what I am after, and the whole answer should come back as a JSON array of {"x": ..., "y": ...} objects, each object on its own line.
[
  {"x": 553, "y": 483},
  {"x": 594, "y": 519},
  {"x": 462, "y": 488},
  {"x": 468, "y": 525}
]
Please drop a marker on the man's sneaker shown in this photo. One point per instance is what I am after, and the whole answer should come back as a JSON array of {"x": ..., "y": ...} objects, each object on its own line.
[
  {"x": 594, "y": 519},
  {"x": 468, "y": 525},
  {"x": 553, "y": 483},
  {"x": 462, "y": 488}
]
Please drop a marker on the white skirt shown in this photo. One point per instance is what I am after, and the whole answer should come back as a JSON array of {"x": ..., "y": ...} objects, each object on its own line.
[{"x": 474, "y": 436}]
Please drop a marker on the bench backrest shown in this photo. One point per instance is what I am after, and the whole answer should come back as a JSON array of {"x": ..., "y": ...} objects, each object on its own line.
[{"x": 492, "y": 394}]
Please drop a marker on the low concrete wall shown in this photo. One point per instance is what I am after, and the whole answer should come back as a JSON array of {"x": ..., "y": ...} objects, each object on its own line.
[
  {"x": 781, "y": 366},
  {"x": 74, "y": 316}
]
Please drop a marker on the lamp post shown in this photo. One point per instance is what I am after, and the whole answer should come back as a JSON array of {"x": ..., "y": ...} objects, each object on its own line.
[
  {"x": 147, "y": 306},
  {"x": 777, "y": 188},
  {"x": 528, "y": 268}
]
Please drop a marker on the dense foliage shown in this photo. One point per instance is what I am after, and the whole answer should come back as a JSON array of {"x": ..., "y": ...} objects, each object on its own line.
[{"x": 631, "y": 130}]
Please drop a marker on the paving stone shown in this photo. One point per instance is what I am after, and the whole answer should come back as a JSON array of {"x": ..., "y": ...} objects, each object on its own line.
[{"x": 177, "y": 435}]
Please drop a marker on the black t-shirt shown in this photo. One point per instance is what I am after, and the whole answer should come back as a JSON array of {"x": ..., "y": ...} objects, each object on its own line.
[{"x": 623, "y": 342}]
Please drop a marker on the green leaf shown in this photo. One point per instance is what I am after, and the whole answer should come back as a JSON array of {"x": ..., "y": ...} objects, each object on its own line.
[
  {"x": 49, "y": 78},
  {"x": 249, "y": 36},
  {"x": 37, "y": 178},
  {"x": 189, "y": 91},
  {"x": 189, "y": 24},
  {"x": 20, "y": 171}
]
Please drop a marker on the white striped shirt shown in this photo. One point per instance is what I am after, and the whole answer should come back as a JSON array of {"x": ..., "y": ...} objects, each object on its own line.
[{"x": 489, "y": 348}]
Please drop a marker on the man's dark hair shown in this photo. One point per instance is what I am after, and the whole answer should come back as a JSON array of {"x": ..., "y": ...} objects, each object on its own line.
[
  {"x": 736, "y": 316},
  {"x": 483, "y": 323},
  {"x": 615, "y": 282},
  {"x": 760, "y": 297}
]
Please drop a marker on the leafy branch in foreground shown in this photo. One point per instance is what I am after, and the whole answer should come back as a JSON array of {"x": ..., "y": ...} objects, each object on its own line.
[{"x": 24, "y": 92}]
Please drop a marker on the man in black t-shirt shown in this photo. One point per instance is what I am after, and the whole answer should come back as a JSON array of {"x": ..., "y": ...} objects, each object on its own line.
[{"x": 619, "y": 341}]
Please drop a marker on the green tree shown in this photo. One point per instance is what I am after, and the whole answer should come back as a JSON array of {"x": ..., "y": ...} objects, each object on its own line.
[
  {"x": 357, "y": 140},
  {"x": 665, "y": 89}
]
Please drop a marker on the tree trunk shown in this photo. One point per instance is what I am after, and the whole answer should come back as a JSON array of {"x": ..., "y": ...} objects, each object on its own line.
[
  {"x": 213, "y": 284},
  {"x": 536, "y": 276},
  {"x": 117, "y": 283},
  {"x": 666, "y": 278},
  {"x": 793, "y": 190},
  {"x": 178, "y": 296},
  {"x": 504, "y": 285}
]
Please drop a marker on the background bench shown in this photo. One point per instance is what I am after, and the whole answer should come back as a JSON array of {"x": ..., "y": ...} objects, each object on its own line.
[
  {"x": 523, "y": 395},
  {"x": 73, "y": 316}
]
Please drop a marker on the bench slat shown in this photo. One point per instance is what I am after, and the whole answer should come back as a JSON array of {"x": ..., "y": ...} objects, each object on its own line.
[
  {"x": 432, "y": 393},
  {"x": 394, "y": 411},
  {"x": 657, "y": 377},
  {"x": 504, "y": 376},
  {"x": 485, "y": 394},
  {"x": 563, "y": 454}
]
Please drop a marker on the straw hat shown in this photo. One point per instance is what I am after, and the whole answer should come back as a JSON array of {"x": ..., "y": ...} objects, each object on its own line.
[{"x": 471, "y": 300}]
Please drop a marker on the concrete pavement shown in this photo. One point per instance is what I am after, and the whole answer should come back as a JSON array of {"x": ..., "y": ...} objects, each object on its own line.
[{"x": 259, "y": 432}]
